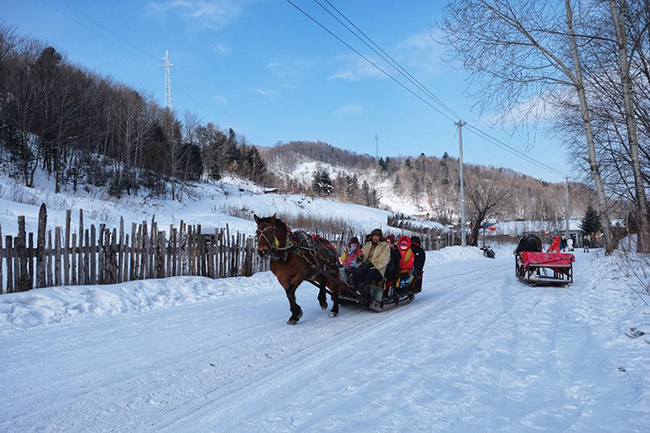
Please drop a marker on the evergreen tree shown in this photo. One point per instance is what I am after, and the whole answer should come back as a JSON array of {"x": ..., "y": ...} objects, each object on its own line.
[
  {"x": 382, "y": 164},
  {"x": 322, "y": 183},
  {"x": 352, "y": 187},
  {"x": 591, "y": 222},
  {"x": 375, "y": 197},
  {"x": 366, "y": 194}
]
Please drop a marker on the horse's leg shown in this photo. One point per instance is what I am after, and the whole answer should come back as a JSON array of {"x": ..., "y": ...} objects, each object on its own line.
[
  {"x": 296, "y": 311},
  {"x": 335, "y": 300},
  {"x": 322, "y": 297}
]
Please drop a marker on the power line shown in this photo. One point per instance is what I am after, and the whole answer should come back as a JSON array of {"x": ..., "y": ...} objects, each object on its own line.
[
  {"x": 417, "y": 83},
  {"x": 387, "y": 57},
  {"x": 370, "y": 61},
  {"x": 512, "y": 150}
]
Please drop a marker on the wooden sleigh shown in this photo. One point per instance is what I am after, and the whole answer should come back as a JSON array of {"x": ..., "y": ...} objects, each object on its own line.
[{"x": 544, "y": 269}]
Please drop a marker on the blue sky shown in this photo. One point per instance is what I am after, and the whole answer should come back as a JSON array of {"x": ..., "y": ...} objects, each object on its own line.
[{"x": 264, "y": 69}]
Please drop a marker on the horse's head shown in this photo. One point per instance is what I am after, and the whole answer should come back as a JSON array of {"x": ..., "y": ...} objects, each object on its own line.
[{"x": 266, "y": 235}]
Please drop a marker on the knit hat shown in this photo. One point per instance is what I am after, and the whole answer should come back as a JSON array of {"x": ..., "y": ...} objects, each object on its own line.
[
  {"x": 353, "y": 240},
  {"x": 390, "y": 238},
  {"x": 415, "y": 240}
]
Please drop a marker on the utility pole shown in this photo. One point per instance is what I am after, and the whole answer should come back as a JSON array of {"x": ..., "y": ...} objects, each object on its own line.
[
  {"x": 168, "y": 81},
  {"x": 566, "y": 210},
  {"x": 463, "y": 225}
]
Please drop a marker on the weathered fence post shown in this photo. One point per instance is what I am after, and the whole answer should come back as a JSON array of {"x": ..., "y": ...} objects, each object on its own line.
[
  {"x": 57, "y": 256},
  {"x": 66, "y": 249},
  {"x": 21, "y": 246},
  {"x": 80, "y": 278},
  {"x": 2, "y": 254},
  {"x": 73, "y": 253},
  {"x": 9, "y": 261}
]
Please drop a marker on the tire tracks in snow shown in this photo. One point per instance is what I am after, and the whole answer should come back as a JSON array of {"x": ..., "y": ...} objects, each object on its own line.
[{"x": 243, "y": 391}]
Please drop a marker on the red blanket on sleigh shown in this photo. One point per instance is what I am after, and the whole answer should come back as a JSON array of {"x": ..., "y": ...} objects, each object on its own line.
[{"x": 547, "y": 259}]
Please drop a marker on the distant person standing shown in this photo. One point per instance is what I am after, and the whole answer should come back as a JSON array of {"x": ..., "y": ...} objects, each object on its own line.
[
  {"x": 585, "y": 244},
  {"x": 569, "y": 244}
]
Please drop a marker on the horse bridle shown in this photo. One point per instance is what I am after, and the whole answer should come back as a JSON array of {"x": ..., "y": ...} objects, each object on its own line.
[
  {"x": 261, "y": 234},
  {"x": 276, "y": 252}
]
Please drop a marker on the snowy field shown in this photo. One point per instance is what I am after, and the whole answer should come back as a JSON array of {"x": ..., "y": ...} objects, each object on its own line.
[
  {"x": 213, "y": 205},
  {"x": 477, "y": 351}
]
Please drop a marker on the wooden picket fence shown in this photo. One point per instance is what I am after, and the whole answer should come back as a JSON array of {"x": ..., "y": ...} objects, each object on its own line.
[{"x": 99, "y": 255}]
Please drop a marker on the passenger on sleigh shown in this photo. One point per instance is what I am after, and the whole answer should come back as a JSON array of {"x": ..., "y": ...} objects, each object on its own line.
[
  {"x": 406, "y": 264},
  {"x": 375, "y": 258},
  {"x": 418, "y": 264},
  {"x": 350, "y": 258},
  {"x": 392, "y": 269}
]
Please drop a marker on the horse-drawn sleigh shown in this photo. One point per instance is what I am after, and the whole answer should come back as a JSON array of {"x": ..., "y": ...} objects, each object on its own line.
[
  {"x": 537, "y": 268},
  {"x": 298, "y": 256}
]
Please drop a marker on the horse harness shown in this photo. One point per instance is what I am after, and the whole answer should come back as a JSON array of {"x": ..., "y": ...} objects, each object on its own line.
[{"x": 300, "y": 243}]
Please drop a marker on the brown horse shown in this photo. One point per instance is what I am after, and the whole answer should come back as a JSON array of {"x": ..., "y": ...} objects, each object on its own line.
[{"x": 296, "y": 257}]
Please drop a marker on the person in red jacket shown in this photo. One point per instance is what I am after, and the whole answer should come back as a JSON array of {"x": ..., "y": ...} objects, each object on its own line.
[
  {"x": 555, "y": 246},
  {"x": 406, "y": 263}
]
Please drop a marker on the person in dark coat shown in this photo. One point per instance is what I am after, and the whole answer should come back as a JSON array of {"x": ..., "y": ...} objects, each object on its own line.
[
  {"x": 418, "y": 264},
  {"x": 392, "y": 270}
]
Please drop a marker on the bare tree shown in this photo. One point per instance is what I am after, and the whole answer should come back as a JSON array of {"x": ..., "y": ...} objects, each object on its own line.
[
  {"x": 619, "y": 18},
  {"x": 517, "y": 52},
  {"x": 487, "y": 195}
]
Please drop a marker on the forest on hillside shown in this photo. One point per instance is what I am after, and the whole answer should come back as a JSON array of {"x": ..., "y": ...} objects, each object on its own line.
[
  {"x": 83, "y": 128},
  {"x": 431, "y": 183}
]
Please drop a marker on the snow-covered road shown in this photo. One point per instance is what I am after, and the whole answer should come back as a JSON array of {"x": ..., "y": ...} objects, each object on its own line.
[{"x": 477, "y": 351}]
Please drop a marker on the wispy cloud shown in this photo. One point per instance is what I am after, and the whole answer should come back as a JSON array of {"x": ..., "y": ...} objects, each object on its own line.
[
  {"x": 221, "y": 49},
  {"x": 267, "y": 93},
  {"x": 420, "y": 53},
  {"x": 356, "y": 68},
  {"x": 221, "y": 99},
  {"x": 272, "y": 96},
  {"x": 350, "y": 109},
  {"x": 206, "y": 14}
]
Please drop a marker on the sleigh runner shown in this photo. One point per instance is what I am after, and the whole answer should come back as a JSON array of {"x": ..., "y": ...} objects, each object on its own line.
[{"x": 380, "y": 295}]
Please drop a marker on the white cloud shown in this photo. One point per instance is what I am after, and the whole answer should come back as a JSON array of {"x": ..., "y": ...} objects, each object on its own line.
[
  {"x": 349, "y": 109},
  {"x": 420, "y": 54},
  {"x": 267, "y": 93},
  {"x": 357, "y": 68},
  {"x": 221, "y": 99},
  {"x": 221, "y": 49},
  {"x": 207, "y": 14}
]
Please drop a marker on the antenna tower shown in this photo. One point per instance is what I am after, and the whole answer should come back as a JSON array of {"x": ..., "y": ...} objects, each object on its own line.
[
  {"x": 377, "y": 146},
  {"x": 168, "y": 81}
]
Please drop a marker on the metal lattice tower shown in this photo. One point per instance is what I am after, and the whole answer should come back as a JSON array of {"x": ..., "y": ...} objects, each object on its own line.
[
  {"x": 377, "y": 146},
  {"x": 168, "y": 81}
]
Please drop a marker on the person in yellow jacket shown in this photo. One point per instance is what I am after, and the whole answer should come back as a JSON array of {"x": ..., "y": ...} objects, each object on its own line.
[{"x": 374, "y": 259}]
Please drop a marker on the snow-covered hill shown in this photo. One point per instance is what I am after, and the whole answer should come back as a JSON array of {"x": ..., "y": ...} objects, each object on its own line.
[{"x": 230, "y": 201}]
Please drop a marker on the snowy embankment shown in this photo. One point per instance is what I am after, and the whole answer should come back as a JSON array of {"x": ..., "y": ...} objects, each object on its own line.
[
  {"x": 476, "y": 351},
  {"x": 70, "y": 303}
]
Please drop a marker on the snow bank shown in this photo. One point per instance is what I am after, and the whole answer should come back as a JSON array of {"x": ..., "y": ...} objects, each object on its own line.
[{"x": 70, "y": 303}]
